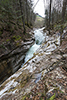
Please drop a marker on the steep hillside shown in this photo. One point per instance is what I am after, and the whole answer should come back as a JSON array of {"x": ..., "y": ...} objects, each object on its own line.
[{"x": 39, "y": 22}]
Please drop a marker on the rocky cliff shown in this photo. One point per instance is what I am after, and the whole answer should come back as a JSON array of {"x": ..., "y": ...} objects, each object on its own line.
[{"x": 12, "y": 56}]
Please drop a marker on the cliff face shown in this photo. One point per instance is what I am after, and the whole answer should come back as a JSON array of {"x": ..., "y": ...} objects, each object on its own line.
[{"x": 12, "y": 56}]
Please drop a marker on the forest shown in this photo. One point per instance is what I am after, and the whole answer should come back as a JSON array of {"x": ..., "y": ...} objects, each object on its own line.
[
  {"x": 33, "y": 50},
  {"x": 19, "y": 14},
  {"x": 16, "y": 14}
]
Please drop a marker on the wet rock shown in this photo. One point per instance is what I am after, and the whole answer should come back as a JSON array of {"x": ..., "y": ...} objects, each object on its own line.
[
  {"x": 12, "y": 61},
  {"x": 65, "y": 55}
]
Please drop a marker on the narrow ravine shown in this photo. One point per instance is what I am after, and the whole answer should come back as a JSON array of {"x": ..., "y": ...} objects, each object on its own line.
[{"x": 37, "y": 67}]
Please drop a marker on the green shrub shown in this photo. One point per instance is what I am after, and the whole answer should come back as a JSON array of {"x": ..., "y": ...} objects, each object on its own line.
[
  {"x": 16, "y": 38},
  {"x": 52, "y": 97}
]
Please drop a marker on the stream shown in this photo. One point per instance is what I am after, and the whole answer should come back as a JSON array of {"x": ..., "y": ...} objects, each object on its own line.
[
  {"x": 49, "y": 46},
  {"x": 39, "y": 38}
]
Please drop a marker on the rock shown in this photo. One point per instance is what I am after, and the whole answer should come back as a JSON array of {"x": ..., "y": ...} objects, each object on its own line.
[
  {"x": 13, "y": 59},
  {"x": 65, "y": 55},
  {"x": 31, "y": 96},
  {"x": 54, "y": 60},
  {"x": 58, "y": 56}
]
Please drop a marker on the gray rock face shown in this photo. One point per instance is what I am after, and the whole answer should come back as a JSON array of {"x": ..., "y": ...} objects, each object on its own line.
[{"x": 11, "y": 60}]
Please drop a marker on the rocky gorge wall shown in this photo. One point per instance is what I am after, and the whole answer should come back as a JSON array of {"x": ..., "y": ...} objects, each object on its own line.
[{"x": 12, "y": 57}]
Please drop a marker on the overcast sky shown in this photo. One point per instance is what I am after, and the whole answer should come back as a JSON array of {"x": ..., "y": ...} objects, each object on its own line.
[{"x": 39, "y": 7}]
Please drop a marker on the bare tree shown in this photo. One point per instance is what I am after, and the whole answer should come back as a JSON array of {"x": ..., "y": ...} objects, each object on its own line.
[
  {"x": 63, "y": 16},
  {"x": 50, "y": 15},
  {"x": 21, "y": 6},
  {"x": 27, "y": 11},
  {"x": 63, "y": 10}
]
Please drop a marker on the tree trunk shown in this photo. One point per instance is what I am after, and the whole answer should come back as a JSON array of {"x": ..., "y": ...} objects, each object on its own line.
[
  {"x": 50, "y": 15},
  {"x": 31, "y": 14},
  {"x": 63, "y": 16},
  {"x": 27, "y": 11},
  {"x": 22, "y": 16}
]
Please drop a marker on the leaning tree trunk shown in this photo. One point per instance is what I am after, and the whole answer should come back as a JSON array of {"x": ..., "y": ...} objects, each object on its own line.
[
  {"x": 50, "y": 15},
  {"x": 21, "y": 6}
]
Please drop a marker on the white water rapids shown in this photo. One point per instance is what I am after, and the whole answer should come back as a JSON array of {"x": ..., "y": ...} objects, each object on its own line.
[{"x": 38, "y": 40}]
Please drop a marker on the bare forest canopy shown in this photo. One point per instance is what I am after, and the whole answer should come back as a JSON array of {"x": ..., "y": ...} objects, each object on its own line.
[
  {"x": 55, "y": 14},
  {"x": 14, "y": 12},
  {"x": 21, "y": 13}
]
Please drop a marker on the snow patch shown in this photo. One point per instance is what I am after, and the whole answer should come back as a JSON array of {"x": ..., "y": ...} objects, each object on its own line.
[
  {"x": 30, "y": 68},
  {"x": 15, "y": 75},
  {"x": 8, "y": 85}
]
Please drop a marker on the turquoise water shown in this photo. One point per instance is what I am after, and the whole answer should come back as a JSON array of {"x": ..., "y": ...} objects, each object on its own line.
[{"x": 38, "y": 40}]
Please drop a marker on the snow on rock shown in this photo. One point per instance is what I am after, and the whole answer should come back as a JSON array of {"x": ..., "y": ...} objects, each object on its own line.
[{"x": 8, "y": 85}]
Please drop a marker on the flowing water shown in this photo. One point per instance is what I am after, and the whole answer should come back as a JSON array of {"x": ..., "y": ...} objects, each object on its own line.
[{"x": 38, "y": 40}]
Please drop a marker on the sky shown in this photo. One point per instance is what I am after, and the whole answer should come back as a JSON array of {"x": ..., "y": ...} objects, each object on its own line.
[{"x": 39, "y": 7}]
